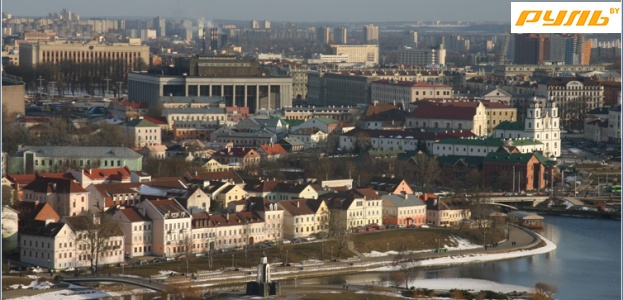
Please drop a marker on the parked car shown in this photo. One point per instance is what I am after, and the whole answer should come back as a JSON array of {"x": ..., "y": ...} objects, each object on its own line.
[
  {"x": 296, "y": 241},
  {"x": 424, "y": 226},
  {"x": 286, "y": 241},
  {"x": 310, "y": 238},
  {"x": 124, "y": 264},
  {"x": 181, "y": 257},
  {"x": 143, "y": 262},
  {"x": 158, "y": 260}
]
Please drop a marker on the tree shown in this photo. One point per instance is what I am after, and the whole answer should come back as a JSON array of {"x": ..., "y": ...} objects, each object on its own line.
[
  {"x": 423, "y": 171},
  {"x": 339, "y": 231},
  {"x": 404, "y": 262},
  {"x": 188, "y": 244},
  {"x": 8, "y": 198},
  {"x": 544, "y": 291},
  {"x": 481, "y": 214},
  {"x": 94, "y": 232}
]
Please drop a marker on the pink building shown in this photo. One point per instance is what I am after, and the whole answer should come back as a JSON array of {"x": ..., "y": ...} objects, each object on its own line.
[{"x": 403, "y": 210}]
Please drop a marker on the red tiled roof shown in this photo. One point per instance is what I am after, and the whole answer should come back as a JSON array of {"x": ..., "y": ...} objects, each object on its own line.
[
  {"x": 134, "y": 215},
  {"x": 156, "y": 120},
  {"x": 117, "y": 174},
  {"x": 215, "y": 176},
  {"x": 446, "y": 111},
  {"x": 54, "y": 185},
  {"x": 234, "y": 152},
  {"x": 274, "y": 149}
]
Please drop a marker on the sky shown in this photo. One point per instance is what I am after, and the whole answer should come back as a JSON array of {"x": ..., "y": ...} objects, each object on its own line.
[{"x": 275, "y": 10}]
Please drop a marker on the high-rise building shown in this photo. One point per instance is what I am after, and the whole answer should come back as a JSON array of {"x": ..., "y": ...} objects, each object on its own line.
[
  {"x": 371, "y": 34},
  {"x": 358, "y": 53},
  {"x": 322, "y": 35},
  {"x": 255, "y": 24},
  {"x": 530, "y": 49},
  {"x": 266, "y": 24},
  {"x": 422, "y": 57},
  {"x": 340, "y": 35},
  {"x": 410, "y": 39},
  {"x": 160, "y": 26}
]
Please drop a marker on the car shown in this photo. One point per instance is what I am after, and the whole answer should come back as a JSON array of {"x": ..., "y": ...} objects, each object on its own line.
[
  {"x": 424, "y": 226},
  {"x": 296, "y": 241},
  {"x": 263, "y": 246},
  {"x": 285, "y": 241},
  {"x": 70, "y": 269},
  {"x": 181, "y": 257},
  {"x": 18, "y": 268},
  {"x": 158, "y": 260},
  {"x": 142, "y": 262},
  {"x": 124, "y": 264},
  {"x": 310, "y": 238}
]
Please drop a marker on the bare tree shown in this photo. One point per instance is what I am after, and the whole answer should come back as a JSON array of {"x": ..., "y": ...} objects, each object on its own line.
[
  {"x": 422, "y": 171},
  {"x": 482, "y": 214},
  {"x": 544, "y": 291},
  {"x": 94, "y": 234},
  {"x": 339, "y": 231},
  {"x": 189, "y": 253},
  {"x": 403, "y": 261}
]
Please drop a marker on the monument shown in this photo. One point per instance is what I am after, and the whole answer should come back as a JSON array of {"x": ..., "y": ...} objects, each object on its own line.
[{"x": 263, "y": 286}]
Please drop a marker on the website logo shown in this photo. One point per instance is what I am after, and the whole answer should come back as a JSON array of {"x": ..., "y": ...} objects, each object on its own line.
[{"x": 566, "y": 17}]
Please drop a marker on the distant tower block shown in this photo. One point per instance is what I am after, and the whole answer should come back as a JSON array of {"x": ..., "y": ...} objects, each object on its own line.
[{"x": 263, "y": 286}]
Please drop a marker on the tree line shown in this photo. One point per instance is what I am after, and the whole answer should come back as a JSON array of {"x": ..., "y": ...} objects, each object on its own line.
[{"x": 70, "y": 76}]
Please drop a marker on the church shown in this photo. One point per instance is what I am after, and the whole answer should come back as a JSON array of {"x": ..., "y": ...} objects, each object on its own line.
[{"x": 542, "y": 123}]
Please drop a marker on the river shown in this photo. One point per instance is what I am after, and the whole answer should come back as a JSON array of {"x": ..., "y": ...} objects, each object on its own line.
[{"x": 586, "y": 264}]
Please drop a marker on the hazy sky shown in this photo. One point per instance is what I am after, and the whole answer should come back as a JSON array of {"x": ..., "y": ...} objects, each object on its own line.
[{"x": 275, "y": 10}]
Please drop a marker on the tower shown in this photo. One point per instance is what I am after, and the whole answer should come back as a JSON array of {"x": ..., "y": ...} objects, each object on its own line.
[
  {"x": 534, "y": 118},
  {"x": 371, "y": 34}
]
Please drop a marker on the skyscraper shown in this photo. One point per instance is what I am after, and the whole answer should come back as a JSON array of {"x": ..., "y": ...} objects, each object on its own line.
[
  {"x": 371, "y": 34},
  {"x": 410, "y": 39},
  {"x": 340, "y": 35},
  {"x": 160, "y": 25},
  {"x": 530, "y": 49},
  {"x": 322, "y": 35}
]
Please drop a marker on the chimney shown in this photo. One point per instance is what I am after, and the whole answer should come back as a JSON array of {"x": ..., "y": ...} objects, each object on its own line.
[{"x": 298, "y": 204}]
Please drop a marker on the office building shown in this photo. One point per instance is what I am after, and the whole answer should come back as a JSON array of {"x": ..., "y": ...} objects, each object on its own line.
[
  {"x": 340, "y": 35},
  {"x": 422, "y": 57},
  {"x": 358, "y": 53}
]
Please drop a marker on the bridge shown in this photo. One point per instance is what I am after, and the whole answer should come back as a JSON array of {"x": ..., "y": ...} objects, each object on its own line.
[
  {"x": 142, "y": 282},
  {"x": 534, "y": 200}
]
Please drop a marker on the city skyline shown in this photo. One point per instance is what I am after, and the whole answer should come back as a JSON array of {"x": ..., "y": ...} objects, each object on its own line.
[{"x": 279, "y": 10}]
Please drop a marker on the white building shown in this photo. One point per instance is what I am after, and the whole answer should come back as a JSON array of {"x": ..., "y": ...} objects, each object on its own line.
[
  {"x": 137, "y": 230},
  {"x": 393, "y": 91},
  {"x": 304, "y": 217},
  {"x": 171, "y": 226},
  {"x": 480, "y": 146},
  {"x": 143, "y": 133},
  {"x": 422, "y": 57},
  {"x": 614, "y": 123},
  {"x": 449, "y": 116},
  {"x": 541, "y": 124},
  {"x": 357, "y": 53}
]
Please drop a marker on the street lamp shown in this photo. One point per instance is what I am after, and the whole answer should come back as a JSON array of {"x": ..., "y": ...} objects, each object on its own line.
[
  {"x": 232, "y": 260},
  {"x": 387, "y": 246}
]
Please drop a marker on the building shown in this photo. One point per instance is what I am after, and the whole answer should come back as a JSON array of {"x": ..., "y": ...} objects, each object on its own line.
[
  {"x": 450, "y": 116},
  {"x": 403, "y": 210},
  {"x": 541, "y": 124},
  {"x": 354, "y": 208},
  {"x": 128, "y": 110},
  {"x": 481, "y": 146},
  {"x": 422, "y": 57},
  {"x": 143, "y": 133},
  {"x": 237, "y": 156},
  {"x": 66, "y": 196},
  {"x": 529, "y": 169},
  {"x": 395, "y": 140},
  {"x": 323, "y": 35},
  {"x": 530, "y": 48},
  {"x": 371, "y": 34},
  {"x": 340, "y": 35},
  {"x": 367, "y": 54},
  {"x": 614, "y": 124},
  {"x": 304, "y": 217},
  {"x": 391, "y": 185},
  {"x": 574, "y": 96},
  {"x": 392, "y": 91},
  {"x": 137, "y": 230},
  {"x": 135, "y": 57},
  {"x": 240, "y": 82},
  {"x": 47, "y": 159},
  {"x": 49, "y": 244},
  {"x": 171, "y": 226},
  {"x": 107, "y": 250},
  {"x": 446, "y": 212}
]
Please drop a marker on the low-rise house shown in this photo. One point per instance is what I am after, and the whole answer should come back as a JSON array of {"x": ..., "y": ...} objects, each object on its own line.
[
  {"x": 312, "y": 137},
  {"x": 403, "y": 210},
  {"x": 66, "y": 196},
  {"x": 90, "y": 176},
  {"x": 454, "y": 168},
  {"x": 137, "y": 230},
  {"x": 212, "y": 165},
  {"x": 233, "y": 156},
  {"x": 154, "y": 152},
  {"x": 105, "y": 196},
  {"x": 304, "y": 217},
  {"x": 125, "y": 110},
  {"x": 478, "y": 146},
  {"x": 45, "y": 159},
  {"x": 273, "y": 125},
  {"x": 227, "y": 194},
  {"x": 142, "y": 132},
  {"x": 292, "y": 144},
  {"x": 171, "y": 226},
  {"x": 49, "y": 244},
  {"x": 325, "y": 124},
  {"x": 271, "y": 152},
  {"x": 35, "y": 211},
  {"x": 354, "y": 208},
  {"x": 106, "y": 239},
  {"x": 391, "y": 185},
  {"x": 223, "y": 176},
  {"x": 528, "y": 169},
  {"x": 451, "y": 212},
  {"x": 274, "y": 190},
  {"x": 244, "y": 138}
]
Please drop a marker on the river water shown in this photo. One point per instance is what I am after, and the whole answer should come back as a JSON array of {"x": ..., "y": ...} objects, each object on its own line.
[{"x": 586, "y": 264}]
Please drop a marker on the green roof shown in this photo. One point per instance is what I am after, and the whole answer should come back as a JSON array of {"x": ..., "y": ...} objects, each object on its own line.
[
  {"x": 140, "y": 123},
  {"x": 508, "y": 157},
  {"x": 406, "y": 155},
  {"x": 508, "y": 125},
  {"x": 292, "y": 123},
  {"x": 451, "y": 160},
  {"x": 544, "y": 160},
  {"x": 326, "y": 120},
  {"x": 384, "y": 153},
  {"x": 488, "y": 142}
]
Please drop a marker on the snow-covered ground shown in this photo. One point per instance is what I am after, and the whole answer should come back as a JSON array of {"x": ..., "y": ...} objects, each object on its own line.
[
  {"x": 461, "y": 244},
  {"x": 82, "y": 293},
  {"x": 467, "y": 284}
]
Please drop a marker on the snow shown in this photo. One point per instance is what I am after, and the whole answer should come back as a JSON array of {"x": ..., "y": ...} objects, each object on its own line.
[
  {"x": 68, "y": 294},
  {"x": 467, "y": 284},
  {"x": 167, "y": 272},
  {"x": 461, "y": 244}
]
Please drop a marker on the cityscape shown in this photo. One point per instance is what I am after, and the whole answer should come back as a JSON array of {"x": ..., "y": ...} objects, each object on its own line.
[{"x": 182, "y": 156}]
